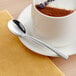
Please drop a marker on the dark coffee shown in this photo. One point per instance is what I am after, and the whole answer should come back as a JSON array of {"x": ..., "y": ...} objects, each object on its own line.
[{"x": 55, "y": 12}]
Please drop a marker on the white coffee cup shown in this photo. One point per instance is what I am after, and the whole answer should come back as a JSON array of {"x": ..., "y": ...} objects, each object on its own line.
[{"x": 61, "y": 31}]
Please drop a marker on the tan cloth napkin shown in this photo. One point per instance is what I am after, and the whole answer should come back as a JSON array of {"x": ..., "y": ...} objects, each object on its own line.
[{"x": 17, "y": 60}]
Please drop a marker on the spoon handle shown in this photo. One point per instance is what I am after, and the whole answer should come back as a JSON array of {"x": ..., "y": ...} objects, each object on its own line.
[{"x": 59, "y": 53}]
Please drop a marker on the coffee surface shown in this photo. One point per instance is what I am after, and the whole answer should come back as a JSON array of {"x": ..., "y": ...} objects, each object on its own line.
[{"x": 55, "y": 12}]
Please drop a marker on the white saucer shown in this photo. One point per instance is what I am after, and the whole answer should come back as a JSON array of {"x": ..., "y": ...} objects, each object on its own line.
[{"x": 26, "y": 19}]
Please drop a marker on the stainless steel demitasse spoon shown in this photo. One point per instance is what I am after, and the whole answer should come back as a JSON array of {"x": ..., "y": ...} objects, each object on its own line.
[{"x": 17, "y": 28}]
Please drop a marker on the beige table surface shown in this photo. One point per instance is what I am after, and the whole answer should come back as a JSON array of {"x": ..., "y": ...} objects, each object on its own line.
[{"x": 15, "y": 7}]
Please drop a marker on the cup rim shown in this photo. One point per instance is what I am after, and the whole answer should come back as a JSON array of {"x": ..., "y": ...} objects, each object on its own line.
[{"x": 33, "y": 4}]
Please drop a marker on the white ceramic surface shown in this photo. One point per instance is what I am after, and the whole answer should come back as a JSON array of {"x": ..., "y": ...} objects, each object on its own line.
[
  {"x": 26, "y": 19},
  {"x": 60, "y": 30}
]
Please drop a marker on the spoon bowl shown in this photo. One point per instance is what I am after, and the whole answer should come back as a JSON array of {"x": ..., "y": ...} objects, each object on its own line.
[{"x": 14, "y": 28}]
